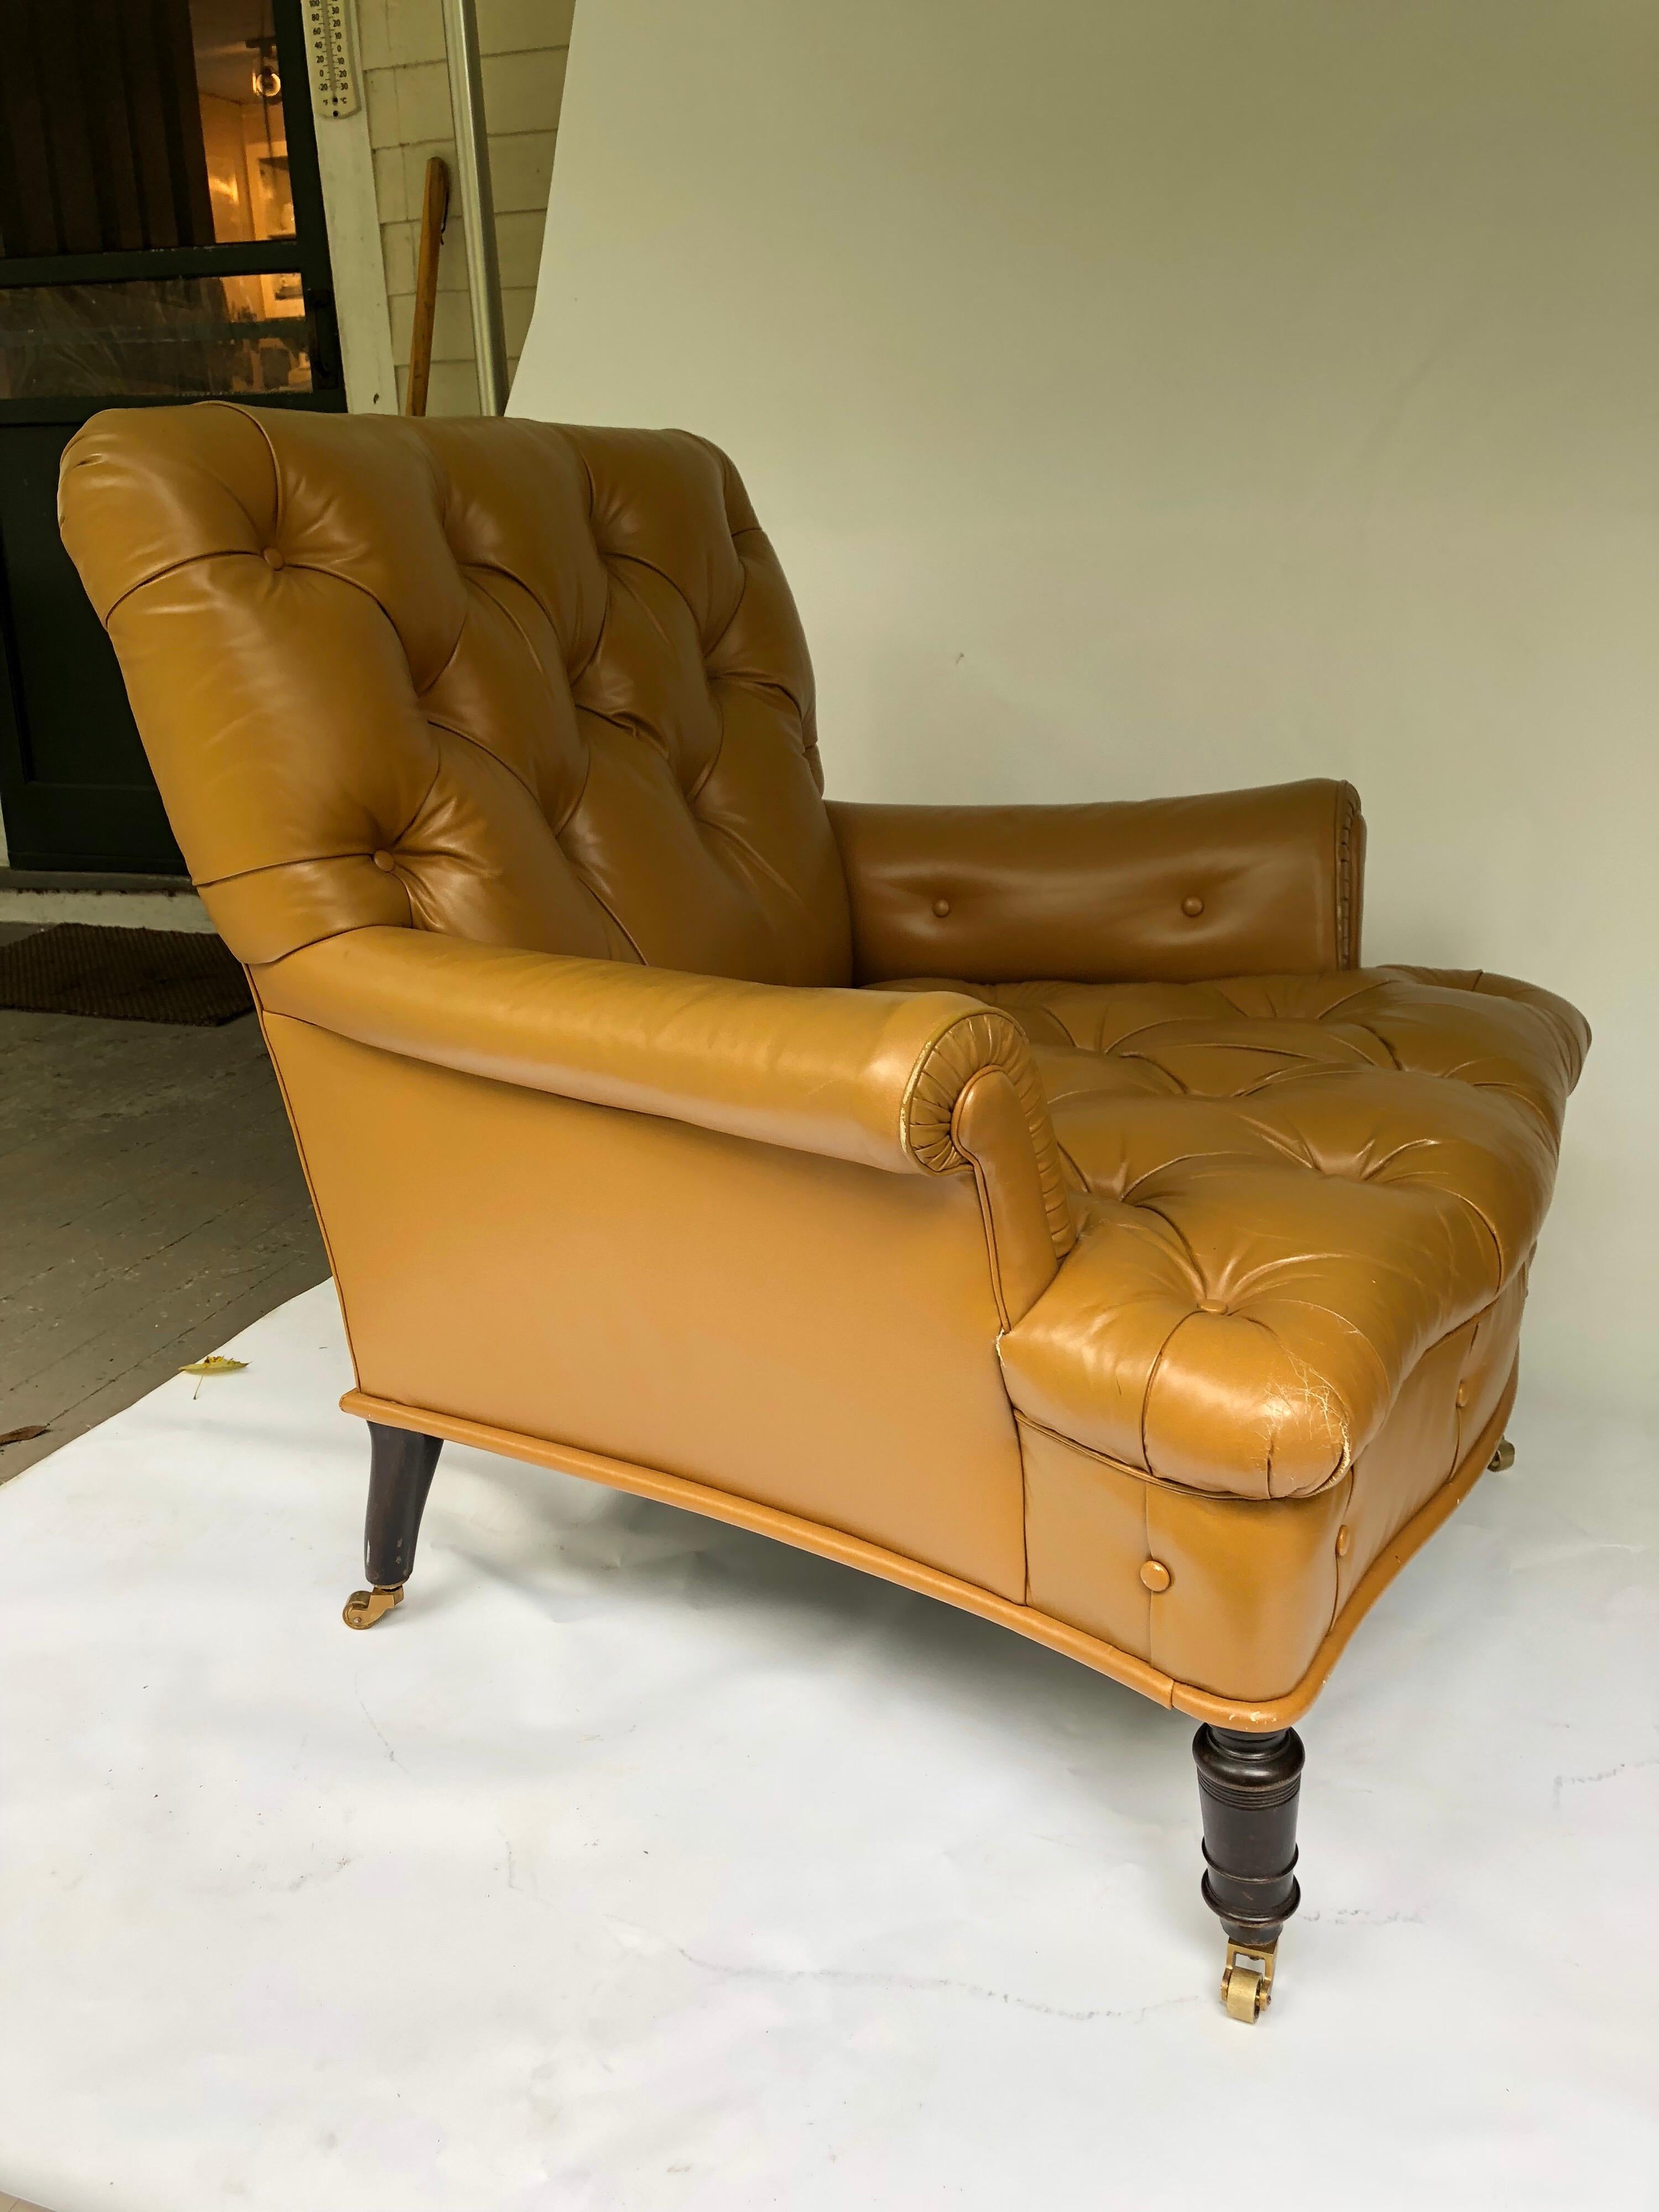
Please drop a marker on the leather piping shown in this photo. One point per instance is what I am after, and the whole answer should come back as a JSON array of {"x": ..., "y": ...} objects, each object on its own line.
[
  {"x": 174, "y": 567},
  {"x": 1258, "y": 1716}
]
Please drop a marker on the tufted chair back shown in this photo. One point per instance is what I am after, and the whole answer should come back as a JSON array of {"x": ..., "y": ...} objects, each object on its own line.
[{"x": 529, "y": 686}]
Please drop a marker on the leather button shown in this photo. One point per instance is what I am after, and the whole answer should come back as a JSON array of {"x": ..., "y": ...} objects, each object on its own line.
[
  {"x": 1463, "y": 1394},
  {"x": 384, "y": 860},
  {"x": 1211, "y": 1306},
  {"x": 1344, "y": 1542},
  {"x": 1155, "y": 1575},
  {"x": 941, "y": 907},
  {"x": 273, "y": 557},
  {"x": 1192, "y": 905}
]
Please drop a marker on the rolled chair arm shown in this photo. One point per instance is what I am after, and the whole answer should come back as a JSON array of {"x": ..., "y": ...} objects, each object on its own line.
[
  {"x": 907, "y": 1082},
  {"x": 1237, "y": 883}
]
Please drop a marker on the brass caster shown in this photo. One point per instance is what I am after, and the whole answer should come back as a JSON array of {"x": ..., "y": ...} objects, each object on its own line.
[
  {"x": 364, "y": 1608},
  {"x": 1247, "y": 1991},
  {"x": 1503, "y": 1458}
]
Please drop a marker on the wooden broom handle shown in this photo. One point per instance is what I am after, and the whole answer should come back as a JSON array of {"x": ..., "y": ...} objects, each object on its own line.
[{"x": 434, "y": 213}]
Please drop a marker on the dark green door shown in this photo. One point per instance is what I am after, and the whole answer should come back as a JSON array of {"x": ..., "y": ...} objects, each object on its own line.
[{"x": 162, "y": 239}]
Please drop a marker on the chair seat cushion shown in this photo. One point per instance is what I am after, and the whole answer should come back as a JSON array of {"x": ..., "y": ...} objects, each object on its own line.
[{"x": 1290, "y": 1188}]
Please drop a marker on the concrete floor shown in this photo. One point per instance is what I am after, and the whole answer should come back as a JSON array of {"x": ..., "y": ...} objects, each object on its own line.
[{"x": 152, "y": 1207}]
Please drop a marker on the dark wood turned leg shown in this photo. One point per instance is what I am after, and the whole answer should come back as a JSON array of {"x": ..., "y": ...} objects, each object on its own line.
[
  {"x": 401, "y": 1466},
  {"x": 1248, "y": 1786}
]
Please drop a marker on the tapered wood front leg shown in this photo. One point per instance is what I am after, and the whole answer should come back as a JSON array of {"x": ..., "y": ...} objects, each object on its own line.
[
  {"x": 401, "y": 1466},
  {"x": 1248, "y": 1787}
]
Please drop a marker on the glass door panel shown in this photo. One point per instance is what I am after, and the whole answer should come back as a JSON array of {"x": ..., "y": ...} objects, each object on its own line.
[
  {"x": 238, "y": 82},
  {"x": 155, "y": 337}
]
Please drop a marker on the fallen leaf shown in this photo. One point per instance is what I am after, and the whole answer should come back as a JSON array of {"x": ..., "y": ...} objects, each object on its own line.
[
  {"x": 22, "y": 1435},
  {"x": 215, "y": 1363}
]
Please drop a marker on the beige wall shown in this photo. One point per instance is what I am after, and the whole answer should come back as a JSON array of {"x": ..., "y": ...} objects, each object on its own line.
[
  {"x": 406, "y": 82},
  {"x": 1151, "y": 395}
]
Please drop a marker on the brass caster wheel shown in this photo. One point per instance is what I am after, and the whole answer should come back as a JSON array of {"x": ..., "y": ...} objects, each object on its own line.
[
  {"x": 1503, "y": 1458},
  {"x": 364, "y": 1608},
  {"x": 1246, "y": 1990}
]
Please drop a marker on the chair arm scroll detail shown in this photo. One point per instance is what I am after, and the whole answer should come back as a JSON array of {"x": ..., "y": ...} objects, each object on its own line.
[{"x": 966, "y": 1100}]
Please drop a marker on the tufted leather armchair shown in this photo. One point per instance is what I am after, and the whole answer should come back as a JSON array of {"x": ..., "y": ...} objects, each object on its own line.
[{"x": 1039, "y": 1207}]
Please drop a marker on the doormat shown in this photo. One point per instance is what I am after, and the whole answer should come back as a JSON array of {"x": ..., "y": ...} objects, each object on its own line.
[{"x": 124, "y": 974}]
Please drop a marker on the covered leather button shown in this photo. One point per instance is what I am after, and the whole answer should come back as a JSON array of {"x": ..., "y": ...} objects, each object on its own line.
[
  {"x": 941, "y": 907},
  {"x": 1463, "y": 1394},
  {"x": 273, "y": 557},
  {"x": 1155, "y": 1575},
  {"x": 1212, "y": 1306},
  {"x": 1344, "y": 1542},
  {"x": 384, "y": 860},
  {"x": 1192, "y": 905}
]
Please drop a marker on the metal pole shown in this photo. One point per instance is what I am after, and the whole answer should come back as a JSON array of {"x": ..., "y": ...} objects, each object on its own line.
[{"x": 483, "y": 275}]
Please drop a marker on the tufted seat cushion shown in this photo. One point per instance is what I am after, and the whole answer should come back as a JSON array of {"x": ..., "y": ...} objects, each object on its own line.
[
  {"x": 1305, "y": 1205},
  {"x": 1288, "y": 1189}
]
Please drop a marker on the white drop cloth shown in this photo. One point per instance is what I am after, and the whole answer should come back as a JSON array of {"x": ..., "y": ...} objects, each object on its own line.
[{"x": 637, "y": 1862}]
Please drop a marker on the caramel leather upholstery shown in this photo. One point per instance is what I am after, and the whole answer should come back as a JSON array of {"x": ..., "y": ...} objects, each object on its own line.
[{"x": 1038, "y": 1206}]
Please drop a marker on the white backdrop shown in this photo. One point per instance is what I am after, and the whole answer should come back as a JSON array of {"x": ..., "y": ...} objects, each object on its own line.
[{"x": 1161, "y": 395}]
